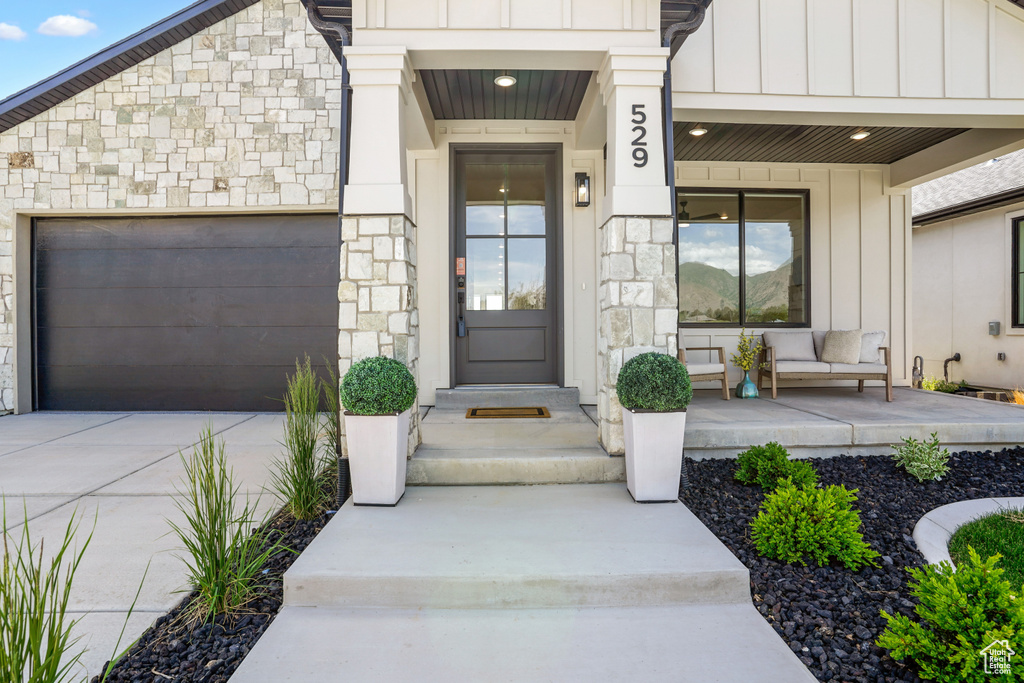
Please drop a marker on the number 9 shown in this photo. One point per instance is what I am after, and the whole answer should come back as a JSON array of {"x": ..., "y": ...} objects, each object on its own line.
[{"x": 639, "y": 157}]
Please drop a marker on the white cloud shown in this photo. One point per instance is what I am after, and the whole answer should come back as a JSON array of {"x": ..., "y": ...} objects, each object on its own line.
[
  {"x": 66, "y": 25},
  {"x": 9, "y": 32}
]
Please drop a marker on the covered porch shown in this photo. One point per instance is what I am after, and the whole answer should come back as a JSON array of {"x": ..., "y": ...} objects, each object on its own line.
[{"x": 821, "y": 421}]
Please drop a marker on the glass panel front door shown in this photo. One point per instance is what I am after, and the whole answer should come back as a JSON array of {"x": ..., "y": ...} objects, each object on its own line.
[{"x": 506, "y": 230}]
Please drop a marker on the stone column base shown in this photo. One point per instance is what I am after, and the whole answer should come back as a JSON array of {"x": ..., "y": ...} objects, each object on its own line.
[
  {"x": 638, "y": 305},
  {"x": 378, "y": 312}
]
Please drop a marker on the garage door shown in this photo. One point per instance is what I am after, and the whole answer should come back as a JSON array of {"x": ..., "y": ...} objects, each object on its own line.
[{"x": 181, "y": 313}]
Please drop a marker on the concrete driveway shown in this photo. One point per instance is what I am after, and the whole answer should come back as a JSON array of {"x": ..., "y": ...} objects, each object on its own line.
[{"x": 119, "y": 471}]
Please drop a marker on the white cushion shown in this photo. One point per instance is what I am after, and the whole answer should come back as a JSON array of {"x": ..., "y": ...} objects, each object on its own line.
[
  {"x": 819, "y": 342},
  {"x": 802, "y": 366},
  {"x": 862, "y": 368},
  {"x": 791, "y": 345},
  {"x": 869, "y": 346},
  {"x": 704, "y": 368}
]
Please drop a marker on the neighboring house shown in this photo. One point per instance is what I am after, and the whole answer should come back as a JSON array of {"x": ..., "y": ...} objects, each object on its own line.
[
  {"x": 968, "y": 289},
  {"x": 167, "y": 205}
]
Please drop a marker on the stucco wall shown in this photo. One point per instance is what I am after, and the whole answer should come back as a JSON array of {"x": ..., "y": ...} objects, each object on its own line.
[
  {"x": 241, "y": 117},
  {"x": 860, "y": 240},
  {"x": 962, "y": 281}
]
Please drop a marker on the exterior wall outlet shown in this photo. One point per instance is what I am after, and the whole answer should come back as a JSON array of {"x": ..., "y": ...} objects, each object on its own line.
[
  {"x": 993, "y": 328},
  {"x": 1000, "y": 356}
]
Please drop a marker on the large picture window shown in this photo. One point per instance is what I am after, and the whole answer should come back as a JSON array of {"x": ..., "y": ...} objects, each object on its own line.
[
  {"x": 743, "y": 258},
  {"x": 1018, "y": 273}
]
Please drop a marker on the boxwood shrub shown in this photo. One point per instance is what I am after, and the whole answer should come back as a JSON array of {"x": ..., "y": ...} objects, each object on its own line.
[
  {"x": 378, "y": 386},
  {"x": 962, "y": 612},
  {"x": 766, "y": 465},
  {"x": 654, "y": 381},
  {"x": 795, "y": 524}
]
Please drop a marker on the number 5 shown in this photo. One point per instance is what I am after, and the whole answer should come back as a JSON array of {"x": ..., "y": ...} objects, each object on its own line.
[{"x": 639, "y": 116}]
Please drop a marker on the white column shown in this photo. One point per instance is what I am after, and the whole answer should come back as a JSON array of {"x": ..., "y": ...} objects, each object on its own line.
[
  {"x": 381, "y": 80},
  {"x": 638, "y": 295},
  {"x": 631, "y": 80}
]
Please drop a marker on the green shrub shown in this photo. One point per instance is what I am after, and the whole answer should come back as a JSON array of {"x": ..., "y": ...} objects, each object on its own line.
[
  {"x": 922, "y": 459},
  {"x": 35, "y": 629},
  {"x": 766, "y": 465},
  {"x": 796, "y": 523},
  {"x": 654, "y": 381},
  {"x": 298, "y": 478},
  {"x": 378, "y": 386},
  {"x": 225, "y": 548},
  {"x": 962, "y": 611},
  {"x": 944, "y": 386}
]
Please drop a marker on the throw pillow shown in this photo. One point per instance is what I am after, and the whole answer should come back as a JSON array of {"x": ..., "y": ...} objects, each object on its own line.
[
  {"x": 842, "y": 346},
  {"x": 791, "y": 345},
  {"x": 869, "y": 347}
]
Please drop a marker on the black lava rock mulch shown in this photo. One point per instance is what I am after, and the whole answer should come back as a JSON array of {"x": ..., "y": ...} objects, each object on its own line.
[
  {"x": 175, "y": 650},
  {"x": 829, "y": 616}
]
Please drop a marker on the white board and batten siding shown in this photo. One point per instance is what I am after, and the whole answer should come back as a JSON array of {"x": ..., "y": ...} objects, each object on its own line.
[
  {"x": 609, "y": 15},
  {"x": 952, "y": 49},
  {"x": 860, "y": 249}
]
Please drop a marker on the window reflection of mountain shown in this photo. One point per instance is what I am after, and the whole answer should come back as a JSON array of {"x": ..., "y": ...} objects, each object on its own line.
[{"x": 709, "y": 294}]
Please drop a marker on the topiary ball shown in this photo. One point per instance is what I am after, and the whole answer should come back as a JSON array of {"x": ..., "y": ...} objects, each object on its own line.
[
  {"x": 654, "y": 381},
  {"x": 378, "y": 386}
]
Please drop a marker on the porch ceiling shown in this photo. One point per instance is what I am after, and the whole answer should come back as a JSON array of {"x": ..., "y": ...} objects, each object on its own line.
[
  {"x": 472, "y": 94},
  {"x": 804, "y": 144}
]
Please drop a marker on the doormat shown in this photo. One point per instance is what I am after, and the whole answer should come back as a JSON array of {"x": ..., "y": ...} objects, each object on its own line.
[{"x": 495, "y": 413}]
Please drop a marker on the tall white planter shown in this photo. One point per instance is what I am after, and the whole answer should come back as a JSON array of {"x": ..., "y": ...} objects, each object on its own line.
[
  {"x": 378, "y": 446},
  {"x": 654, "y": 454}
]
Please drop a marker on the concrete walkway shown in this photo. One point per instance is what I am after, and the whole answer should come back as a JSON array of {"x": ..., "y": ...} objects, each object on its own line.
[
  {"x": 119, "y": 470},
  {"x": 519, "y": 583},
  {"x": 933, "y": 531},
  {"x": 840, "y": 421}
]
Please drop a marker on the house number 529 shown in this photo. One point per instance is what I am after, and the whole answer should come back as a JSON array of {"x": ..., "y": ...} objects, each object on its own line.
[{"x": 639, "y": 152}]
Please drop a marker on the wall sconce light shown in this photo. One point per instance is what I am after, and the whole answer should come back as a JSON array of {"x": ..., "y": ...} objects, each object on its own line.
[{"x": 582, "y": 190}]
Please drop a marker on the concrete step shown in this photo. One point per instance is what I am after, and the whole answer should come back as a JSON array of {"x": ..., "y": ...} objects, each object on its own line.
[
  {"x": 523, "y": 547},
  {"x": 504, "y": 466},
  {"x": 562, "y": 449},
  {"x": 677, "y": 644},
  {"x": 507, "y": 397}
]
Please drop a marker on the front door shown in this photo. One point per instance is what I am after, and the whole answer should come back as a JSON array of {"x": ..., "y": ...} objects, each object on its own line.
[{"x": 506, "y": 305}]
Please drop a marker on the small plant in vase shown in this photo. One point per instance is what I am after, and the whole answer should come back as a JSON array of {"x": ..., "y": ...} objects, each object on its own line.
[{"x": 746, "y": 358}]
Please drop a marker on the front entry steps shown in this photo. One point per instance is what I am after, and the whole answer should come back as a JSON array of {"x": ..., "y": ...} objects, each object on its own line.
[
  {"x": 464, "y": 398},
  {"x": 562, "y": 449},
  {"x": 523, "y": 584}
]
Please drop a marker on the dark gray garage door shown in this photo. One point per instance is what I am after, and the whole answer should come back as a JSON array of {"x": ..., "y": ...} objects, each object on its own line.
[{"x": 181, "y": 313}]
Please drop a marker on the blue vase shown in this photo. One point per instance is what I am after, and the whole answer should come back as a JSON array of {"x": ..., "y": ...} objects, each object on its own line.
[{"x": 746, "y": 388}]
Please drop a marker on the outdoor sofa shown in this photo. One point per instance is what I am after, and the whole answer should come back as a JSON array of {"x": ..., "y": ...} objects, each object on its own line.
[{"x": 797, "y": 354}]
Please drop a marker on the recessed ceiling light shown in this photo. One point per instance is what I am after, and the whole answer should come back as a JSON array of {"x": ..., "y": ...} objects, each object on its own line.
[
  {"x": 505, "y": 81},
  {"x": 698, "y": 130},
  {"x": 860, "y": 135},
  {"x": 723, "y": 216}
]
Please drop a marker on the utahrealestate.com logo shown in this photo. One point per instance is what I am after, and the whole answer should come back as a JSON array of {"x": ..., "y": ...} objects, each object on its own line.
[{"x": 997, "y": 657}]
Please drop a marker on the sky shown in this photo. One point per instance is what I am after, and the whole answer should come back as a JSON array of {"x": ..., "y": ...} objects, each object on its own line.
[
  {"x": 39, "y": 39},
  {"x": 769, "y": 245}
]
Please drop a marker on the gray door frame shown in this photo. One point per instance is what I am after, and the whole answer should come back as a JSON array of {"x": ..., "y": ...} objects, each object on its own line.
[{"x": 555, "y": 150}]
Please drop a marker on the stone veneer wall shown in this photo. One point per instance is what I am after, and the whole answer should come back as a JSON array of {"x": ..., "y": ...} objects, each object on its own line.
[
  {"x": 244, "y": 114},
  {"x": 638, "y": 307},
  {"x": 378, "y": 312}
]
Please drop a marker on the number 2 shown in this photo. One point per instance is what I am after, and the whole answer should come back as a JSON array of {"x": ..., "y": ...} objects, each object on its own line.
[{"x": 642, "y": 132}]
